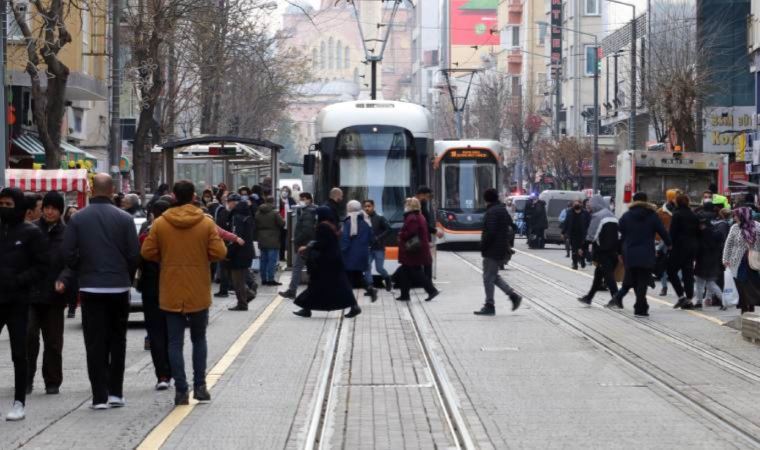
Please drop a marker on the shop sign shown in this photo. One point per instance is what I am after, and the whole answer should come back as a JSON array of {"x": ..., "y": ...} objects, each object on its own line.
[{"x": 725, "y": 128}]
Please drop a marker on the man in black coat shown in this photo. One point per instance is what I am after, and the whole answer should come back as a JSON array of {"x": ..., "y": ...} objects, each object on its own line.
[
  {"x": 306, "y": 228},
  {"x": 574, "y": 229},
  {"x": 48, "y": 301},
  {"x": 684, "y": 232},
  {"x": 240, "y": 256},
  {"x": 380, "y": 230},
  {"x": 638, "y": 228},
  {"x": 24, "y": 262},
  {"x": 100, "y": 244},
  {"x": 222, "y": 220},
  {"x": 494, "y": 247},
  {"x": 333, "y": 204}
]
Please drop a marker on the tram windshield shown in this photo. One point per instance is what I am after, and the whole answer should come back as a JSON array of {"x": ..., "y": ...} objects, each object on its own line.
[
  {"x": 376, "y": 163},
  {"x": 464, "y": 183}
]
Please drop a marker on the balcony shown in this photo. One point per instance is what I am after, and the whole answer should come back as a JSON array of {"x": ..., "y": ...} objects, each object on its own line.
[{"x": 79, "y": 86}]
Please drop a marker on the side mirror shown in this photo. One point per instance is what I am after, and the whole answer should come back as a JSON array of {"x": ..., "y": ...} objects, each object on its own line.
[{"x": 309, "y": 163}]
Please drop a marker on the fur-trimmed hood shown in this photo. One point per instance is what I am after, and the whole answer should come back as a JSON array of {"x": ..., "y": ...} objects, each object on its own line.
[{"x": 646, "y": 205}]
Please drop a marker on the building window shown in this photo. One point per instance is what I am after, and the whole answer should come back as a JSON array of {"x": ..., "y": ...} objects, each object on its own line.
[
  {"x": 541, "y": 87},
  {"x": 78, "y": 118},
  {"x": 591, "y": 7},
  {"x": 322, "y": 55},
  {"x": 542, "y": 32},
  {"x": 590, "y": 53},
  {"x": 314, "y": 58},
  {"x": 347, "y": 58},
  {"x": 515, "y": 36},
  {"x": 330, "y": 54},
  {"x": 510, "y": 36},
  {"x": 339, "y": 55}
]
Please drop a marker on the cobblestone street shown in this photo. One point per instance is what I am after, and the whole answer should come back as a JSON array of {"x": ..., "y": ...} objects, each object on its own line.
[{"x": 553, "y": 374}]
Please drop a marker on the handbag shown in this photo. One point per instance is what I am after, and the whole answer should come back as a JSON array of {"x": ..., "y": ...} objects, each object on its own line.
[
  {"x": 753, "y": 258},
  {"x": 413, "y": 244}
]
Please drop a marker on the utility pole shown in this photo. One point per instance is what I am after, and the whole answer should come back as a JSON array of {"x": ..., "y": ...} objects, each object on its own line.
[
  {"x": 3, "y": 100},
  {"x": 632, "y": 117},
  {"x": 595, "y": 162},
  {"x": 114, "y": 133}
]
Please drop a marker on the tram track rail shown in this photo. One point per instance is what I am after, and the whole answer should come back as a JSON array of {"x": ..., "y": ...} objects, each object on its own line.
[
  {"x": 335, "y": 347},
  {"x": 710, "y": 408}
]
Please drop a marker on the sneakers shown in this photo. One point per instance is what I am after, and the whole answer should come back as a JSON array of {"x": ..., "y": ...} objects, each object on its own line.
[
  {"x": 303, "y": 313},
  {"x": 52, "y": 390},
  {"x": 681, "y": 302},
  {"x": 288, "y": 294},
  {"x": 181, "y": 398},
  {"x": 162, "y": 385},
  {"x": 663, "y": 292},
  {"x": 433, "y": 295},
  {"x": 237, "y": 308},
  {"x": 486, "y": 310},
  {"x": 355, "y": 311},
  {"x": 585, "y": 300},
  {"x": 116, "y": 402},
  {"x": 698, "y": 305},
  {"x": 201, "y": 394},
  {"x": 614, "y": 304},
  {"x": 403, "y": 299},
  {"x": 516, "y": 300},
  {"x": 641, "y": 314},
  {"x": 221, "y": 294},
  {"x": 99, "y": 406},
  {"x": 16, "y": 412}
]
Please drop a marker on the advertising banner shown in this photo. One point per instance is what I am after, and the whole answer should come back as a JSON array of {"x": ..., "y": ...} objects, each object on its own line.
[
  {"x": 556, "y": 36},
  {"x": 471, "y": 23}
]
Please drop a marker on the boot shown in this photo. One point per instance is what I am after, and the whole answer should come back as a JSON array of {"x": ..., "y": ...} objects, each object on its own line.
[
  {"x": 288, "y": 294},
  {"x": 663, "y": 292},
  {"x": 680, "y": 303},
  {"x": 388, "y": 284},
  {"x": 303, "y": 313},
  {"x": 373, "y": 294},
  {"x": 487, "y": 310},
  {"x": 516, "y": 300},
  {"x": 585, "y": 300},
  {"x": 355, "y": 311}
]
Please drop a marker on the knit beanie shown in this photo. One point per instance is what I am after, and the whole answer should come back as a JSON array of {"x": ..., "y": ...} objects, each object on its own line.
[{"x": 54, "y": 199}]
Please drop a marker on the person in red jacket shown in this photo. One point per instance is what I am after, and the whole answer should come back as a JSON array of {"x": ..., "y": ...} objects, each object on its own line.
[{"x": 414, "y": 252}]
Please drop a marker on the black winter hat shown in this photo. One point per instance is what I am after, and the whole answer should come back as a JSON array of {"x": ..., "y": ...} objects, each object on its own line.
[{"x": 54, "y": 199}]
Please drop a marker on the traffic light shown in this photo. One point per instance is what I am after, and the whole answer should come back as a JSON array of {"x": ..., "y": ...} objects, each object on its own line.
[{"x": 599, "y": 59}]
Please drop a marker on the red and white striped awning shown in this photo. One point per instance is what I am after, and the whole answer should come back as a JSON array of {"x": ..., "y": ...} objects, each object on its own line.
[{"x": 28, "y": 180}]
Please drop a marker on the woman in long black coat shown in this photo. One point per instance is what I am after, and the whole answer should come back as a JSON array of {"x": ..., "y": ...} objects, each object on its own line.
[
  {"x": 684, "y": 232},
  {"x": 329, "y": 288}
]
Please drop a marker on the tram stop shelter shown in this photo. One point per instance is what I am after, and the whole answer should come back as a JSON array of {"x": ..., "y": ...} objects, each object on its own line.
[{"x": 215, "y": 159}]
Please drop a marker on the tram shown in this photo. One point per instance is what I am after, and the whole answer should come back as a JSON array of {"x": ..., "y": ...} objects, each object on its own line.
[
  {"x": 463, "y": 170},
  {"x": 374, "y": 149}
]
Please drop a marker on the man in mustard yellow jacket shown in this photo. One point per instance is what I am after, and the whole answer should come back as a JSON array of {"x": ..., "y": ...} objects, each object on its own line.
[{"x": 184, "y": 241}]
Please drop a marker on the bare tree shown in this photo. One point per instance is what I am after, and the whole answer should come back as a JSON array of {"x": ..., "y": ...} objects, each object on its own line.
[
  {"x": 490, "y": 108},
  {"x": 564, "y": 159},
  {"x": 677, "y": 77},
  {"x": 44, "y": 41}
]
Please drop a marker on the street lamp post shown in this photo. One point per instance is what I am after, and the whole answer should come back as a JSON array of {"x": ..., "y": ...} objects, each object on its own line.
[
  {"x": 595, "y": 158},
  {"x": 632, "y": 117}
]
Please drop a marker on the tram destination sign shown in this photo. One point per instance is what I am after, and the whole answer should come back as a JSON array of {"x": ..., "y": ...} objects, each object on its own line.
[{"x": 469, "y": 153}]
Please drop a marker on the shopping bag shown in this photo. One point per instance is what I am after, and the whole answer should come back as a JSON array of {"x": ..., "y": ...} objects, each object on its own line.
[
  {"x": 620, "y": 271},
  {"x": 255, "y": 264},
  {"x": 730, "y": 294}
]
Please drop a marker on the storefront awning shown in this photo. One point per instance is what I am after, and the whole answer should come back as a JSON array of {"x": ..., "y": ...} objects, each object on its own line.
[{"x": 32, "y": 146}]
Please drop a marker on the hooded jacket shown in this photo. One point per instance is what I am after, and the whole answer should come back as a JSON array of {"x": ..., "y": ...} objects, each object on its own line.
[
  {"x": 603, "y": 233},
  {"x": 638, "y": 228},
  {"x": 24, "y": 251},
  {"x": 269, "y": 223},
  {"x": 100, "y": 245},
  {"x": 184, "y": 241},
  {"x": 57, "y": 271},
  {"x": 494, "y": 240}
]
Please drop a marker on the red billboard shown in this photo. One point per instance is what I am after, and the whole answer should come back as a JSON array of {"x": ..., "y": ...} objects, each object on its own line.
[{"x": 471, "y": 22}]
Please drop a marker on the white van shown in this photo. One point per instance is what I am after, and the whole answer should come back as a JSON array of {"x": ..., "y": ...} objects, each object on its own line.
[{"x": 556, "y": 201}]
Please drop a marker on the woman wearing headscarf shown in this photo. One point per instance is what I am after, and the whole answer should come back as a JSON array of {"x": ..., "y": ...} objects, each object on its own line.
[
  {"x": 356, "y": 239},
  {"x": 414, "y": 252},
  {"x": 329, "y": 288},
  {"x": 743, "y": 237}
]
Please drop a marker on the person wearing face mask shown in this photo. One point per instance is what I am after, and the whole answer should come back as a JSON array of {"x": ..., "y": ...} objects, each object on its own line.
[
  {"x": 304, "y": 233},
  {"x": 356, "y": 239},
  {"x": 24, "y": 262},
  {"x": 48, "y": 300},
  {"x": 286, "y": 204},
  {"x": 574, "y": 230}
]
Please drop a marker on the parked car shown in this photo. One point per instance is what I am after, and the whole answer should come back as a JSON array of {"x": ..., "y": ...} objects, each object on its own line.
[
  {"x": 520, "y": 201},
  {"x": 556, "y": 201}
]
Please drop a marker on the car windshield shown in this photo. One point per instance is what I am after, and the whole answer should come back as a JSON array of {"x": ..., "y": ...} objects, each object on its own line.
[
  {"x": 520, "y": 204},
  {"x": 555, "y": 207}
]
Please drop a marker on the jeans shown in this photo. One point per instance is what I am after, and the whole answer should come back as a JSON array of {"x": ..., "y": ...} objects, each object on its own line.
[
  {"x": 379, "y": 257},
  {"x": 664, "y": 280},
  {"x": 155, "y": 325},
  {"x": 15, "y": 315},
  {"x": 711, "y": 286},
  {"x": 414, "y": 274},
  {"x": 176, "y": 323},
  {"x": 48, "y": 320},
  {"x": 268, "y": 263},
  {"x": 492, "y": 278},
  {"x": 298, "y": 265},
  {"x": 104, "y": 323}
]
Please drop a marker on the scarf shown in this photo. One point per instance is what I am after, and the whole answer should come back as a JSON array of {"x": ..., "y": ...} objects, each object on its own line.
[
  {"x": 354, "y": 211},
  {"x": 747, "y": 225}
]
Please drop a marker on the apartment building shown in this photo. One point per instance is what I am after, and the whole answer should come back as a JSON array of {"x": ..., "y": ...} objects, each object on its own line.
[{"x": 85, "y": 123}]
